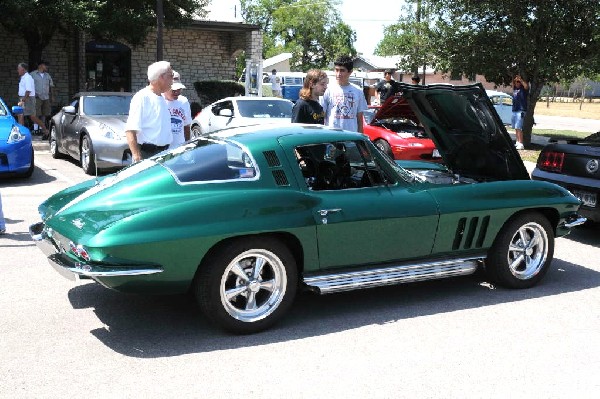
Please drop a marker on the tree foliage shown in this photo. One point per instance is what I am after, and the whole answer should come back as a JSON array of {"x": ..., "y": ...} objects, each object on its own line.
[
  {"x": 39, "y": 20},
  {"x": 312, "y": 30},
  {"x": 411, "y": 37},
  {"x": 543, "y": 41}
]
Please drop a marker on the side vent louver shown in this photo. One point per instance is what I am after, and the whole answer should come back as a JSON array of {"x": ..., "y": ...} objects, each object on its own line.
[
  {"x": 469, "y": 230},
  {"x": 280, "y": 178},
  {"x": 272, "y": 159}
]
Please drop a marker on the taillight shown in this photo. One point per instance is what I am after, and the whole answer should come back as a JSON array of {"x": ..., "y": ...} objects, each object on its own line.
[{"x": 551, "y": 161}]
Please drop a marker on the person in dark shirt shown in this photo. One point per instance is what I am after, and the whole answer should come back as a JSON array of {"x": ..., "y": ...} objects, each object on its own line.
[
  {"x": 387, "y": 87},
  {"x": 519, "y": 107},
  {"x": 307, "y": 109}
]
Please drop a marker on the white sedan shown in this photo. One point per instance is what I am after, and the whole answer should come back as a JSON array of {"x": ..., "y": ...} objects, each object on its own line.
[
  {"x": 503, "y": 105},
  {"x": 241, "y": 111}
]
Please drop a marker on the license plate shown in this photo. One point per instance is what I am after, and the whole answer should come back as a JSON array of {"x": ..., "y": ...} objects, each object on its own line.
[
  {"x": 435, "y": 154},
  {"x": 587, "y": 199}
]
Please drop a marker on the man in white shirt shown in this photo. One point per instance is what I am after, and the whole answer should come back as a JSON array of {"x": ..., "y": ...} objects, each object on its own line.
[
  {"x": 27, "y": 97},
  {"x": 148, "y": 126},
  {"x": 181, "y": 114},
  {"x": 343, "y": 102}
]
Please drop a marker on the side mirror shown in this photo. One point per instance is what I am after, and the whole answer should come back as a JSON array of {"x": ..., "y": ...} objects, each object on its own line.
[
  {"x": 226, "y": 112},
  {"x": 17, "y": 110},
  {"x": 69, "y": 109}
]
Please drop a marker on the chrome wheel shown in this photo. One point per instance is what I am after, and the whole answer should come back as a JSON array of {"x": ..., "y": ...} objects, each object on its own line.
[
  {"x": 527, "y": 251},
  {"x": 86, "y": 156},
  {"x": 253, "y": 285},
  {"x": 522, "y": 251}
]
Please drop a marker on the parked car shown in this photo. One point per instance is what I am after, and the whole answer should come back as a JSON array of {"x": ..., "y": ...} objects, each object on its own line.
[
  {"x": 244, "y": 218},
  {"x": 503, "y": 105},
  {"x": 91, "y": 129},
  {"x": 241, "y": 111},
  {"x": 575, "y": 165},
  {"x": 394, "y": 129},
  {"x": 16, "y": 148}
]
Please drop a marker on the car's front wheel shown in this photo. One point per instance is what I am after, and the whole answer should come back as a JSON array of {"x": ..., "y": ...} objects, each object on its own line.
[
  {"x": 196, "y": 132},
  {"x": 247, "y": 284},
  {"x": 384, "y": 147},
  {"x": 522, "y": 251},
  {"x": 86, "y": 156},
  {"x": 54, "y": 151}
]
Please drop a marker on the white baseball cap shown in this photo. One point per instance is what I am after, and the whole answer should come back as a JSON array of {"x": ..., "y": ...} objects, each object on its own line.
[{"x": 177, "y": 85}]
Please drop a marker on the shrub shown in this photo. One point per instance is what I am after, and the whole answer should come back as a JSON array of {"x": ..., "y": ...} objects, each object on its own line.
[{"x": 210, "y": 91}]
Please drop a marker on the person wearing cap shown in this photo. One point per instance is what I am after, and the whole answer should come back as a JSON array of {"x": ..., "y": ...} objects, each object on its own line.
[
  {"x": 386, "y": 87},
  {"x": 43, "y": 92},
  {"x": 181, "y": 114},
  {"x": 148, "y": 126}
]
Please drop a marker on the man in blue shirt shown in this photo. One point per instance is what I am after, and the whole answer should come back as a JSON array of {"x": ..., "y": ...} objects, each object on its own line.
[{"x": 519, "y": 107}]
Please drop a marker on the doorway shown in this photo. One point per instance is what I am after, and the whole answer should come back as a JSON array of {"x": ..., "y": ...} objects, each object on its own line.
[{"x": 108, "y": 66}]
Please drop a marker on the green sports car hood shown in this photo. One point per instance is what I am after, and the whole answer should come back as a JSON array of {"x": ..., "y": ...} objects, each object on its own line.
[{"x": 465, "y": 127}]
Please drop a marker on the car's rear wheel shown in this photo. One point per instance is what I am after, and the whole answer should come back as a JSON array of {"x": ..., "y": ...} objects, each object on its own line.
[
  {"x": 384, "y": 147},
  {"x": 522, "y": 251},
  {"x": 54, "y": 151},
  {"x": 247, "y": 284},
  {"x": 196, "y": 132},
  {"x": 86, "y": 156}
]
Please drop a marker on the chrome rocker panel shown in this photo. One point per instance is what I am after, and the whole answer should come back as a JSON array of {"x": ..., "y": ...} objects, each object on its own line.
[
  {"x": 71, "y": 269},
  {"x": 405, "y": 273}
]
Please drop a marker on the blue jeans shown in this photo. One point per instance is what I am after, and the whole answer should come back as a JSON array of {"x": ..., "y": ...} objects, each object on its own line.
[{"x": 517, "y": 120}]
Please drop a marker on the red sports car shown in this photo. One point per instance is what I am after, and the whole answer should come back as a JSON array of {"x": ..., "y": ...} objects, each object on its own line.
[{"x": 393, "y": 128}]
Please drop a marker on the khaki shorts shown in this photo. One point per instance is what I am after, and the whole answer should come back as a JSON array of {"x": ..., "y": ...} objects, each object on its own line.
[
  {"x": 29, "y": 106},
  {"x": 42, "y": 107}
]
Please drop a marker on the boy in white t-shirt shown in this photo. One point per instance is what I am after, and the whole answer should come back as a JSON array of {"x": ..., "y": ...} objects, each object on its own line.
[{"x": 181, "y": 114}]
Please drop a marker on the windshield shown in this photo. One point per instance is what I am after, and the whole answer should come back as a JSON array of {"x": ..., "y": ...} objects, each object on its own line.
[
  {"x": 265, "y": 108},
  {"x": 208, "y": 160},
  {"x": 106, "y": 105}
]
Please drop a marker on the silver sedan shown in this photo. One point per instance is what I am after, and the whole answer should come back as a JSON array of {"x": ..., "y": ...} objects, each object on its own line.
[{"x": 91, "y": 129}]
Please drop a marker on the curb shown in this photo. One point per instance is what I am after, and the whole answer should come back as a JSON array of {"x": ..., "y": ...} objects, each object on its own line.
[{"x": 39, "y": 144}]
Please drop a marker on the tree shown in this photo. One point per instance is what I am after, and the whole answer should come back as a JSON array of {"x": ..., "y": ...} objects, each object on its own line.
[
  {"x": 543, "y": 41},
  {"x": 311, "y": 30},
  {"x": 410, "y": 37},
  {"x": 39, "y": 20}
]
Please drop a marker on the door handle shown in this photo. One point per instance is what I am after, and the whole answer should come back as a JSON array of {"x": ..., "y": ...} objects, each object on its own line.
[{"x": 325, "y": 212}]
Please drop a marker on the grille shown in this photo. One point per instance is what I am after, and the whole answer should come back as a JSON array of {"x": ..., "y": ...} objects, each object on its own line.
[
  {"x": 272, "y": 159},
  {"x": 280, "y": 178}
]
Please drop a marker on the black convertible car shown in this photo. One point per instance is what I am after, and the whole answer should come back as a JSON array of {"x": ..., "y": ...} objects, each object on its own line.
[{"x": 575, "y": 165}]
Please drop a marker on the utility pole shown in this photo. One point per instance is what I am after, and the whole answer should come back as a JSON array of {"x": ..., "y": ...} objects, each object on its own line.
[{"x": 160, "y": 16}]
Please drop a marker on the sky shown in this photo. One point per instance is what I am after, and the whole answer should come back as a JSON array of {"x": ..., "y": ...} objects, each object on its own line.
[{"x": 367, "y": 18}]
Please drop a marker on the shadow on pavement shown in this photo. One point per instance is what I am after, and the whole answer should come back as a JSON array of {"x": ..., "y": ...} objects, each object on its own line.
[{"x": 152, "y": 326}]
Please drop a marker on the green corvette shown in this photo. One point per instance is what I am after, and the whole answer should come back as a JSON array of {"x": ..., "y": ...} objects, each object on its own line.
[{"x": 245, "y": 217}]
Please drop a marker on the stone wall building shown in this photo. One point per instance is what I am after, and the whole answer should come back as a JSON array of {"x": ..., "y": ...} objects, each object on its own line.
[{"x": 205, "y": 50}]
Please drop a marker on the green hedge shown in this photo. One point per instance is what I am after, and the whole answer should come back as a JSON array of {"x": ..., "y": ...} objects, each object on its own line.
[{"x": 210, "y": 91}]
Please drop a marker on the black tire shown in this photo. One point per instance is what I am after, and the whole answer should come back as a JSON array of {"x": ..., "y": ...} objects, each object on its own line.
[
  {"x": 522, "y": 252},
  {"x": 29, "y": 171},
  {"x": 196, "y": 132},
  {"x": 86, "y": 155},
  {"x": 217, "y": 276},
  {"x": 384, "y": 147},
  {"x": 54, "y": 145}
]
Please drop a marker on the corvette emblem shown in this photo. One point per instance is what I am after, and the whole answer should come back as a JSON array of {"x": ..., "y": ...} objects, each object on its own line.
[
  {"x": 592, "y": 166},
  {"x": 78, "y": 223}
]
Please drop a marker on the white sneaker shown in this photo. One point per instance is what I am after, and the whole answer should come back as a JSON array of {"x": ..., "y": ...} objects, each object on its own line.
[{"x": 519, "y": 146}]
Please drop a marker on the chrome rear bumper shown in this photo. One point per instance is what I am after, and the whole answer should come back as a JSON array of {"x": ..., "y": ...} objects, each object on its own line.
[{"x": 71, "y": 269}]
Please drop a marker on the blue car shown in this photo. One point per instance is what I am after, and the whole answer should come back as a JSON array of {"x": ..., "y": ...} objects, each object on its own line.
[{"x": 16, "y": 149}]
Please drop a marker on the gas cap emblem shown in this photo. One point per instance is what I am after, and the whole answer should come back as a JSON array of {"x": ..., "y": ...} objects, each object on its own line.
[{"x": 592, "y": 166}]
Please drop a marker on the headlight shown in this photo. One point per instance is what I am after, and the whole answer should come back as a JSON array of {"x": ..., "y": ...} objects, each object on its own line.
[{"x": 15, "y": 135}]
